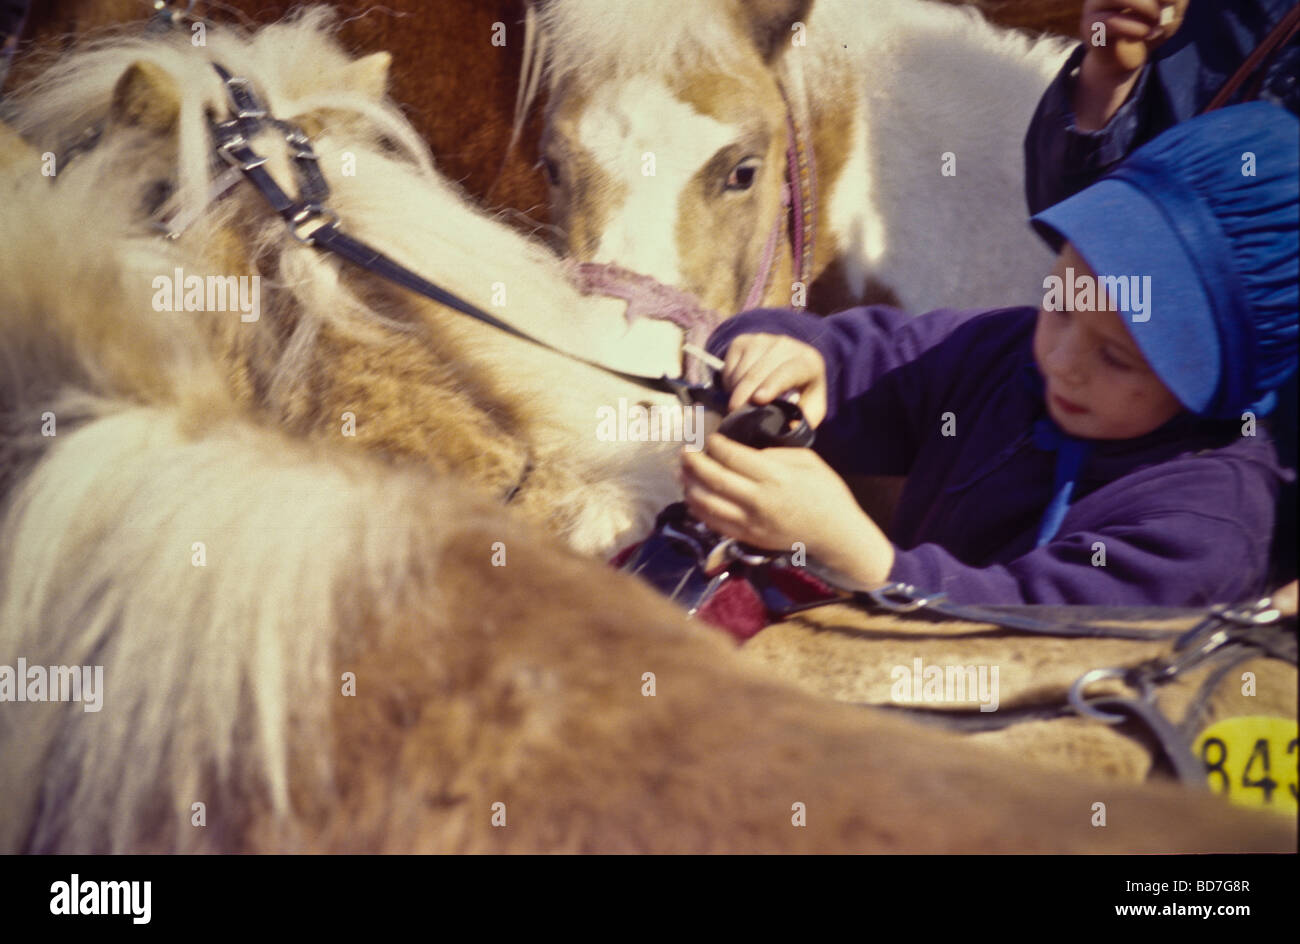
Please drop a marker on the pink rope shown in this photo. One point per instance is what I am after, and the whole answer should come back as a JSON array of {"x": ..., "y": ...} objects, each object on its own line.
[
  {"x": 647, "y": 297},
  {"x": 769, "y": 253},
  {"x": 812, "y": 213},
  {"x": 792, "y": 208}
]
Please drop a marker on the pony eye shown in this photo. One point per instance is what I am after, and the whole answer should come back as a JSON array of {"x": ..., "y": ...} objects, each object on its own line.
[
  {"x": 743, "y": 174},
  {"x": 552, "y": 171}
]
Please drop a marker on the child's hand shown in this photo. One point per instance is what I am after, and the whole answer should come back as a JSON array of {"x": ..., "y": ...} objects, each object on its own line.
[
  {"x": 761, "y": 367},
  {"x": 1133, "y": 29},
  {"x": 771, "y": 498}
]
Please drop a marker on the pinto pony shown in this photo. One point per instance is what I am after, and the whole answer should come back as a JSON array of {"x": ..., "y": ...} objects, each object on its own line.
[
  {"x": 317, "y": 642},
  {"x": 743, "y": 150}
]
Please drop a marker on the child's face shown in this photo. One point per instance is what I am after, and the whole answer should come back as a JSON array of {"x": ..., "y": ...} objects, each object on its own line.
[{"x": 1098, "y": 383}]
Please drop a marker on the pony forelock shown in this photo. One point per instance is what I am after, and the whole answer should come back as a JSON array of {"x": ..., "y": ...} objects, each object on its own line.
[{"x": 609, "y": 40}]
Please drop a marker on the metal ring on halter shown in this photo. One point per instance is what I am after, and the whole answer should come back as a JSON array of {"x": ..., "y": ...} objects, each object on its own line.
[
  {"x": 1082, "y": 707},
  {"x": 307, "y": 214}
]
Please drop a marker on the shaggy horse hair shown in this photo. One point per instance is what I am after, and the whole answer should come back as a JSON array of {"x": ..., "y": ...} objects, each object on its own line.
[{"x": 196, "y": 526}]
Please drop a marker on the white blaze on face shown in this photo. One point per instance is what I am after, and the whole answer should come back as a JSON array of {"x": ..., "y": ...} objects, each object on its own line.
[{"x": 620, "y": 126}]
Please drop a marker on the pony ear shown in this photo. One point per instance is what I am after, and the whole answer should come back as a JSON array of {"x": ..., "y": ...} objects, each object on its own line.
[
  {"x": 145, "y": 97},
  {"x": 369, "y": 74},
  {"x": 768, "y": 22}
]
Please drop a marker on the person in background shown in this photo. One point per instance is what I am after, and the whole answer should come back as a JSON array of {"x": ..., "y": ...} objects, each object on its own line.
[{"x": 1161, "y": 63}]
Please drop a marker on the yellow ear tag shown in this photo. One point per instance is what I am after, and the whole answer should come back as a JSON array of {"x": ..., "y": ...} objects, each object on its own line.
[{"x": 1251, "y": 761}]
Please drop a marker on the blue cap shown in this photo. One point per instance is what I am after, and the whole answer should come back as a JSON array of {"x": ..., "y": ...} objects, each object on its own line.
[{"x": 1221, "y": 246}]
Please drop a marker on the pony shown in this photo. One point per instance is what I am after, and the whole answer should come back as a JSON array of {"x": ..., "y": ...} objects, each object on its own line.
[
  {"x": 677, "y": 134},
  {"x": 323, "y": 355},
  {"x": 313, "y": 642}
]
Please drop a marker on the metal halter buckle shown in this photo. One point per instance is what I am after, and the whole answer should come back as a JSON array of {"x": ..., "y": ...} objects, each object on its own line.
[
  {"x": 244, "y": 103},
  {"x": 230, "y": 139},
  {"x": 308, "y": 214},
  {"x": 296, "y": 139}
]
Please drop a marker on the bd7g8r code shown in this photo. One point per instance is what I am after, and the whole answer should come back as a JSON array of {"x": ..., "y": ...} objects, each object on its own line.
[{"x": 1223, "y": 886}]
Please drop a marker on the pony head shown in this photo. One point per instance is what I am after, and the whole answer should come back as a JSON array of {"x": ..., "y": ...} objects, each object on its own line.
[
  {"x": 666, "y": 139},
  {"x": 451, "y": 392}
]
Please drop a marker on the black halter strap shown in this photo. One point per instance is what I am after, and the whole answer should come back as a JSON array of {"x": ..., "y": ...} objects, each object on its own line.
[{"x": 314, "y": 224}]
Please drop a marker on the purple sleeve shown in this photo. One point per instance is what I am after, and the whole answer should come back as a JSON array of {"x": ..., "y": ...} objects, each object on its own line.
[
  {"x": 1061, "y": 160},
  {"x": 1166, "y": 557},
  {"x": 885, "y": 373},
  {"x": 859, "y": 346}
]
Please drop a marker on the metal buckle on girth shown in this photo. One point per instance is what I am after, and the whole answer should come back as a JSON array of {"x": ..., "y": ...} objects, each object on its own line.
[{"x": 1225, "y": 625}]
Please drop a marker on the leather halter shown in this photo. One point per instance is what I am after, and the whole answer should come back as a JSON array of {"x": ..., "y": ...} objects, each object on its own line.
[{"x": 313, "y": 223}]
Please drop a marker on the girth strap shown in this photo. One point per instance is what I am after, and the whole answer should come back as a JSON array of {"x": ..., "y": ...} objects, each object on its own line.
[{"x": 904, "y": 598}]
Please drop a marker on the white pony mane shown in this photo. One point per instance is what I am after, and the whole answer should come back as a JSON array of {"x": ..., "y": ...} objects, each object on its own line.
[
  {"x": 298, "y": 64},
  {"x": 153, "y": 456},
  {"x": 206, "y": 669}
]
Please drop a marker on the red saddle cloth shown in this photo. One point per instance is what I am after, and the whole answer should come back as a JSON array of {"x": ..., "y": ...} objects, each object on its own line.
[{"x": 737, "y": 607}]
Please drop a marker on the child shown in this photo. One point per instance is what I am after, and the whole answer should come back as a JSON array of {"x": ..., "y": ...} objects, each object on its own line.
[
  {"x": 1162, "y": 62},
  {"x": 1092, "y": 456}
]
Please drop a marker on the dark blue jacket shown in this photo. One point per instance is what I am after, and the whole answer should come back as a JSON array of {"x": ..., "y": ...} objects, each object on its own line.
[
  {"x": 1183, "y": 515},
  {"x": 1179, "y": 81}
]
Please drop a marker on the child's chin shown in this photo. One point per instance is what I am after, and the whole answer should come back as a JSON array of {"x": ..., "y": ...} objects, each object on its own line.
[{"x": 1074, "y": 424}]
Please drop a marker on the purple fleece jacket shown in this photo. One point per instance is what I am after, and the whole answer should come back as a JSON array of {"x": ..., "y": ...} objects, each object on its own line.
[{"x": 1182, "y": 515}]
